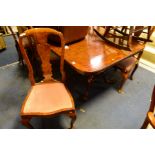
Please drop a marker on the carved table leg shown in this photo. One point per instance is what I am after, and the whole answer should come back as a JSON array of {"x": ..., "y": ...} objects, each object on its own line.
[
  {"x": 89, "y": 82},
  {"x": 26, "y": 122}
]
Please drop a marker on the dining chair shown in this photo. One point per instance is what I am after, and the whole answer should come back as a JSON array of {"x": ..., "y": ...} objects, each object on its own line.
[
  {"x": 121, "y": 37},
  {"x": 49, "y": 97},
  {"x": 128, "y": 68},
  {"x": 129, "y": 65},
  {"x": 150, "y": 117}
]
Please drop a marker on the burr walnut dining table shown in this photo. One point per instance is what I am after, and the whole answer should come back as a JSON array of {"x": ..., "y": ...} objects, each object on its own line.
[{"x": 93, "y": 55}]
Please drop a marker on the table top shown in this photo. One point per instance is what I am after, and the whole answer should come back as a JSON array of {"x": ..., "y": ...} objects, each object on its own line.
[{"x": 95, "y": 55}]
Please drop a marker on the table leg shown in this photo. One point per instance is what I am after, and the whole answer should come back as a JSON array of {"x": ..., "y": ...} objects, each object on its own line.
[{"x": 90, "y": 79}]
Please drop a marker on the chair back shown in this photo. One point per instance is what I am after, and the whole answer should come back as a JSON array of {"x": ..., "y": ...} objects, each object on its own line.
[{"x": 38, "y": 39}]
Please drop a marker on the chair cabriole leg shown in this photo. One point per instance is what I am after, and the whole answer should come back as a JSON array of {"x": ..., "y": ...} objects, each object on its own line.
[
  {"x": 72, "y": 115},
  {"x": 26, "y": 122},
  {"x": 145, "y": 124}
]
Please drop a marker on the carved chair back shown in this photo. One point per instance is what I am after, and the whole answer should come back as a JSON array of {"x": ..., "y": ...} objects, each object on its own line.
[{"x": 38, "y": 39}]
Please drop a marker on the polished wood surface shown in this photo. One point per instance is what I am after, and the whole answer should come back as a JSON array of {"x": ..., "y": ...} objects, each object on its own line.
[
  {"x": 94, "y": 55},
  {"x": 150, "y": 117},
  {"x": 49, "y": 97}
]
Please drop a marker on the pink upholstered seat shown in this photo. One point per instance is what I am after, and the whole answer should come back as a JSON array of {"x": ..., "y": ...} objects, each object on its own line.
[{"x": 47, "y": 98}]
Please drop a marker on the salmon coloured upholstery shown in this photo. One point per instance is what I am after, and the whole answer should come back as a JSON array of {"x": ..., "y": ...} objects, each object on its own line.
[{"x": 44, "y": 97}]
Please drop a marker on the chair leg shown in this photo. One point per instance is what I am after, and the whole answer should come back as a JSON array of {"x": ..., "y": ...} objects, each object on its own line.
[
  {"x": 72, "y": 115},
  {"x": 131, "y": 75},
  {"x": 124, "y": 78},
  {"x": 25, "y": 122},
  {"x": 145, "y": 124},
  {"x": 20, "y": 58}
]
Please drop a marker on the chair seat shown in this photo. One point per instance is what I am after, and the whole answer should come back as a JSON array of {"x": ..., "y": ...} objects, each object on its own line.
[
  {"x": 46, "y": 99},
  {"x": 127, "y": 64}
]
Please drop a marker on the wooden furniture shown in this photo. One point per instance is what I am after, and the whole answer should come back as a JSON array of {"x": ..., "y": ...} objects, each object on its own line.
[
  {"x": 115, "y": 38},
  {"x": 150, "y": 117},
  {"x": 21, "y": 29},
  {"x": 122, "y": 36},
  {"x": 49, "y": 97},
  {"x": 128, "y": 68},
  {"x": 71, "y": 33},
  {"x": 93, "y": 55},
  {"x": 141, "y": 33},
  {"x": 4, "y": 30},
  {"x": 2, "y": 42}
]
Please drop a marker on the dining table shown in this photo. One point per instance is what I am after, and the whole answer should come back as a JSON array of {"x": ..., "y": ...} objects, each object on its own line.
[{"x": 93, "y": 55}]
